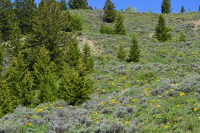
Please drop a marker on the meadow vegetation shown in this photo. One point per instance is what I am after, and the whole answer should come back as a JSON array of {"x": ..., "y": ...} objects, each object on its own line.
[{"x": 157, "y": 92}]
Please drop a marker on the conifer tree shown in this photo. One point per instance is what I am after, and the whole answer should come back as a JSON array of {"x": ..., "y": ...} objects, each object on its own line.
[
  {"x": 7, "y": 100},
  {"x": 182, "y": 9},
  {"x": 24, "y": 11},
  {"x": 73, "y": 54},
  {"x": 6, "y": 19},
  {"x": 87, "y": 58},
  {"x": 134, "y": 53},
  {"x": 48, "y": 30},
  {"x": 76, "y": 85},
  {"x": 106, "y": 29},
  {"x": 109, "y": 12},
  {"x": 45, "y": 77},
  {"x": 121, "y": 54},
  {"x": 15, "y": 43},
  {"x": 75, "y": 22},
  {"x": 161, "y": 31},
  {"x": 119, "y": 26},
  {"x": 1, "y": 61},
  {"x": 78, "y": 4},
  {"x": 199, "y": 8},
  {"x": 63, "y": 4},
  {"x": 165, "y": 7}
]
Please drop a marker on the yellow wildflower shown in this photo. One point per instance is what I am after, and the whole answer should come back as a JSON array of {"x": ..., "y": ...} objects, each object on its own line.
[
  {"x": 178, "y": 105},
  {"x": 158, "y": 106},
  {"x": 182, "y": 94},
  {"x": 195, "y": 109}
]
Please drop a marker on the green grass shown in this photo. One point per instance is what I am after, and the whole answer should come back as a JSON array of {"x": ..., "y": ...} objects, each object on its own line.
[{"x": 161, "y": 93}]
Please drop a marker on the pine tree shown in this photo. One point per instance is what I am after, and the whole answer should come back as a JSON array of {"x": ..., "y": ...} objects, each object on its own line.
[
  {"x": 76, "y": 85},
  {"x": 87, "y": 58},
  {"x": 7, "y": 100},
  {"x": 24, "y": 11},
  {"x": 165, "y": 7},
  {"x": 63, "y": 4},
  {"x": 119, "y": 26},
  {"x": 121, "y": 54},
  {"x": 161, "y": 31},
  {"x": 6, "y": 19},
  {"x": 199, "y": 8},
  {"x": 75, "y": 22},
  {"x": 109, "y": 12},
  {"x": 15, "y": 43},
  {"x": 48, "y": 30},
  {"x": 182, "y": 9},
  {"x": 45, "y": 76},
  {"x": 73, "y": 54},
  {"x": 78, "y": 4},
  {"x": 134, "y": 54}
]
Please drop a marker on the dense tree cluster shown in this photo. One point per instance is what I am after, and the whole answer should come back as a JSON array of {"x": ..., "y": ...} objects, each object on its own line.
[{"x": 40, "y": 56}]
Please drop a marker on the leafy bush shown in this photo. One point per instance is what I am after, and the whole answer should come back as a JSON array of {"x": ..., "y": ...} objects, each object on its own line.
[{"x": 105, "y": 29}]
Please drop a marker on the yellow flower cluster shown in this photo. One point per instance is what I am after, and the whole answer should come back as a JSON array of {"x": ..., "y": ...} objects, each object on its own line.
[{"x": 182, "y": 94}]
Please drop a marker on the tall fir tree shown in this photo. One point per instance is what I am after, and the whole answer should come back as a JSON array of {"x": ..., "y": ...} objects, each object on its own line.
[
  {"x": 63, "y": 4},
  {"x": 76, "y": 85},
  {"x": 161, "y": 31},
  {"x": 45, "y": 76},
  {"x": 6, "y": 19},
  {"x": 87, "y": 58},
  {"x": 48, "y": 30},
  {"x": 134, "y": 53},
  {"x": 165, "y": 7},
  {"x": 24, "y": 11},
  {"x": 199, "y": 8},
  {"x": 78, "y": 4},
  {"x": 182, "y": 9},
  {"x": 121, "y": 54},
  {"x": 119, "y": 26},
  {"x": 109, "y": 12}
]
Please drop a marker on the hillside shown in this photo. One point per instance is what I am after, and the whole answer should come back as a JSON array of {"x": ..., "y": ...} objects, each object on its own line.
[{"x": 161, "y": 93}]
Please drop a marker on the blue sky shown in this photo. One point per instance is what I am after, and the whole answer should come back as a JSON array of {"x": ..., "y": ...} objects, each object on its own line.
[{"x": 146, "y": 5}]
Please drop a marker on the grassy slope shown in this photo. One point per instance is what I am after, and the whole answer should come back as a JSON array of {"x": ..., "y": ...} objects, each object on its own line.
[{"x": 159, "y": 94}]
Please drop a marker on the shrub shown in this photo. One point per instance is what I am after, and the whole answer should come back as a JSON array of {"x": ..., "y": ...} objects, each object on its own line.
[
  {"x": 105, "y": 29},
  {"x": 121, "y": 54}
]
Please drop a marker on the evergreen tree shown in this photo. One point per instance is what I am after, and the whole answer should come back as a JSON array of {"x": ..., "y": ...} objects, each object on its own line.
[
  {"x": 78, "y": 4},
  {"x": 7, "y": 100},
  {"x": 182, "y": 9},
  {"x": 109, "y": 12},
  {"x": 121, "y": 54},
  {"x": 48, "y": 30},
  {"x": 45, "y": 76},
  {"x": 199, "y": 8},
  {"x": 6, "y": 19},
  {"x": 63, "y": 4},
  {"x": 75, "y": 22},
  {"x": 87, "y": 58},
  {"x": 73, "y": 54},
  {"x": 165, "y": 7},
  {"x": 19, "y": 81},
  {"x": 119, "y": 26},
  {"x": 161, "y": 31},
  {"x": 15, "y": 43},
  {"x": 134, "y": 54},
  {"x": 182, "y": 37},
  {"x": 105, "y": 29},
  {"x": 1, "y": 61},
  {"x": 25, "y": 11},
  {"x": 76, "y": 85}
]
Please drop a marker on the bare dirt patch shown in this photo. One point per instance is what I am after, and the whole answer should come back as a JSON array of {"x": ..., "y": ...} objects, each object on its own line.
[{"x": 196, "y": 23}]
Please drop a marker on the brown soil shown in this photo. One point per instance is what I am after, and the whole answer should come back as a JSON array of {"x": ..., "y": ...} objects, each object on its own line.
[{"x": 196, "y": 23}]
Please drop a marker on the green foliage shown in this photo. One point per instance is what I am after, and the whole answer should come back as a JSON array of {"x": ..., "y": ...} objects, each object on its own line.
[
  {"x": 134, "y": 53},
  {"x": 78, "y": 4},
  {"x": 73, "y": 54},
  {"x": 106, "y": 29},
  {"x": 75, "y": 23},
  {"x": 6, "y": 19},
  {"x": 87, "y": 58},
  {"x": 182, "y": 37},
  {"x": 161, "y": 31},
  {"x": 121, "y": 54},
  {"x": 119, "y": 26},
  {"x": 182, "y": 9},
  {"x": 129, "y": 9},
  {"x": 76, "y": 86},
  {"x": 1, "y": 61},
  {"x": 15, "y": 43},
  {"x": 63, "y": 4},
  {"x": 165, "y": 7},
  {"x": 7, "y": 100},
  {"x": 25, "y": 11},
  {"x": 109, "y": 12},
  {"x": 199, "y": 8},
  {"x": 45, "y": 77}
]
